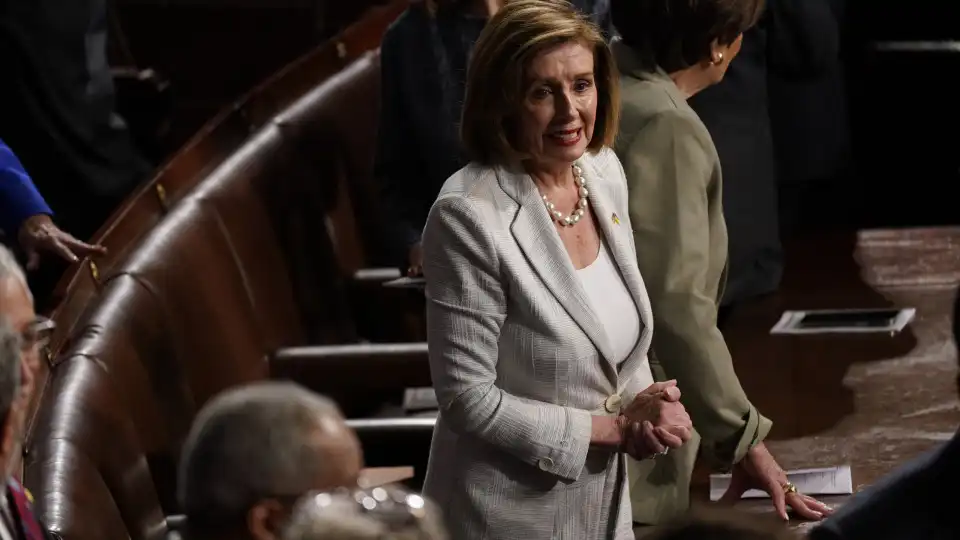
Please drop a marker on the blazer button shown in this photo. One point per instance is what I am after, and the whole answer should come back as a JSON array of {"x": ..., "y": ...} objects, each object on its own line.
[
  {"x": 612, "y": 404},
  {"x": 546, "y": 464}
]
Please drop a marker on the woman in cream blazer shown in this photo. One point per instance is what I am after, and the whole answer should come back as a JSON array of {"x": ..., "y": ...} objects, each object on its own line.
[{"x": 538, "y": 320}]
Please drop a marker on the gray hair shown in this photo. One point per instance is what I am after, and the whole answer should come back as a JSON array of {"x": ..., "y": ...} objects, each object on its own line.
[
  {"x": 10, "y": 268},
  {"x": 384, "y": 513},
  {"x": 252, "y": 443},
  {"x": 10, "y": 357}
]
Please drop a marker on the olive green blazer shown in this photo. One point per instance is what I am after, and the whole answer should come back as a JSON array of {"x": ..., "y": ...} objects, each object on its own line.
[{"x": 674, "y": 181}]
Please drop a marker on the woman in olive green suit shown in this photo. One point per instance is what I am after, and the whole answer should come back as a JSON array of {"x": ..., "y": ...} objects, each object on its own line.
[{"x": 668, "y": 52}]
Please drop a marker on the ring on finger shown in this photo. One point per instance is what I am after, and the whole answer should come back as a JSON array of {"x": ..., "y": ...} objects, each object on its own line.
[{"x": 789, "y": 488}]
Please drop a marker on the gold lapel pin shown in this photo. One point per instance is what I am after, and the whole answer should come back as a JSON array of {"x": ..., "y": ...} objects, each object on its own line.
[{"x": 616, "y": 219}]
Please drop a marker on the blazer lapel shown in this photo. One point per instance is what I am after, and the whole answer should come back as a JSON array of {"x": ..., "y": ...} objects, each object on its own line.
[
  {"x": 616, "y": 230},
  {"x": 537, "y": 237}
]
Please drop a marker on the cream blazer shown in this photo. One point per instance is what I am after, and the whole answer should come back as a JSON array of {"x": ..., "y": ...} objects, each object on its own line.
[{"x": 520, "y": 360}]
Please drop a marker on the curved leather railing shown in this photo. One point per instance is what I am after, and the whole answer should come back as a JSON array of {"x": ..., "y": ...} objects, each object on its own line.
[
  {"x": 82, "y": 284},
  {"x": 210, "y": 283},
  {"x": 205, "y": 151}
]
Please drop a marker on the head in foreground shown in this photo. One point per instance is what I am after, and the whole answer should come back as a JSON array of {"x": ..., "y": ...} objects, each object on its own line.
[{"x": 253, "y": 451}]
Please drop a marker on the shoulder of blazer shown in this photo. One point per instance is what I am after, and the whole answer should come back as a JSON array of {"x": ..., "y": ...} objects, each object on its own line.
[
  {"x": 478, "y": 187},
  {"x": 607, "y": 168},
  {"x": 473, "y": 181},
  {"x": 655, "y": 100}
]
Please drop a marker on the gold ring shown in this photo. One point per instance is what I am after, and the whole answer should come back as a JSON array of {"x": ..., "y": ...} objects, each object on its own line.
[{"x": 789, "y": 488}]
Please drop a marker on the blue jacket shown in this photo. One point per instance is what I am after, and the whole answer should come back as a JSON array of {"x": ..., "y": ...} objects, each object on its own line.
[{"x": 19, "y": 198}]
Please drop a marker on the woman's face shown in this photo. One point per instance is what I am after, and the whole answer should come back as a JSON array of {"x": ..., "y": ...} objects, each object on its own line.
[{"x": 559, "y": 105}]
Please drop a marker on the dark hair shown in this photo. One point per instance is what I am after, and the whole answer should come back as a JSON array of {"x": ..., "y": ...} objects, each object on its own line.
[
  {"x": 677, "y": 34},
  {"x": 496, "y": 75}
]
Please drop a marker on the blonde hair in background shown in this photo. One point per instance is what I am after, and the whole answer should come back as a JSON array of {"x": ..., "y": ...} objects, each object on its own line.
[
  {"x": 496, "y": 76},
  {"x": 383, "y": 513}
]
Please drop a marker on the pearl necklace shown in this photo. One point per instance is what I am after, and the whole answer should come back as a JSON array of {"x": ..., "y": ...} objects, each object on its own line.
[{"x": 574, "y": 217}]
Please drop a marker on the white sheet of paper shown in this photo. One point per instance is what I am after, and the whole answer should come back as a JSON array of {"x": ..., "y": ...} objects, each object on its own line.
[
  {"x": 825, "y": 481},
  {"x": 420, "y": 399},
  {"x": 406, "y": 283}
]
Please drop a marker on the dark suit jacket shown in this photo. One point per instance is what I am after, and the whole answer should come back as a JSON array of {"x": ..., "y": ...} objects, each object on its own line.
[
  {"x": 57, "y": 109},
  {"x": 918, "y": 501},
  {"x": 794, "y": 40},
  {"x": 735, "y": 113}
]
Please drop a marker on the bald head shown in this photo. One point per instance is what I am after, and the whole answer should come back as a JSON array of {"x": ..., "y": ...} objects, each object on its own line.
[{"x": 266, "y": 441}]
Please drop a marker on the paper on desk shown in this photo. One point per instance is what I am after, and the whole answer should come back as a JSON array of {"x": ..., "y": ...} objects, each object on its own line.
[
  {"x": 420, "y": 399},
  {"x": 407, "y": 283},
  {"x": 825, "y": 481}
]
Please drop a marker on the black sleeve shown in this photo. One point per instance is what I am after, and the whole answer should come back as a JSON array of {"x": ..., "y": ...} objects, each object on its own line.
[
  {"x": 803, "y": 37},
  {"x": 396, "y": 154}
]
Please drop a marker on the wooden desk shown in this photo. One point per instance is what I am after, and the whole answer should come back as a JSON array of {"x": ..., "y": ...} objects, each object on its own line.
[
  {"x": 871, "y": 401},
  {"x": 379, "y": 476}
]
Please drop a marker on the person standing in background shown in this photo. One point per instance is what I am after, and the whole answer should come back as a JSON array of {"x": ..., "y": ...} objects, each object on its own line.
[
  {"x": 26, "y": 218},
  {"x": 792, "y": 41},
  {"x": 57, "y": 113},
  {"x": 809, "y": 117}
]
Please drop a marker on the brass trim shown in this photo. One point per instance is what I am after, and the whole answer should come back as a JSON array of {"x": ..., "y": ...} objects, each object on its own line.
[
  {"x": 94, "y": 271},
  {"x": 162, "y": 196}
]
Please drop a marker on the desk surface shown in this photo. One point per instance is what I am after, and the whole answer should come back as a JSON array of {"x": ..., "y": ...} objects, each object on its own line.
[
  {"x": 379, "y": 476},
  {"x": 871, "y": 401}
]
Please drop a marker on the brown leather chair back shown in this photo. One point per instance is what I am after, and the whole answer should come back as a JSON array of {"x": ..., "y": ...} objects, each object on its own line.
[
  {"x": 86, "y": 468},
  {"x": 207, "y": 279},
  {"x": 129, "y": 335},
  {"x": 334, "y": 130},
  {"x": 188, "y": 265}
]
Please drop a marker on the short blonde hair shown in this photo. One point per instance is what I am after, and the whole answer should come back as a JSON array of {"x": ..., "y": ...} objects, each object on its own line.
[{"x": 496, "y": 76}]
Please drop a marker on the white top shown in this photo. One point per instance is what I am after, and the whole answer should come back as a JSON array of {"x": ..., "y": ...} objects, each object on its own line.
[{"x": 613, "y": 304}]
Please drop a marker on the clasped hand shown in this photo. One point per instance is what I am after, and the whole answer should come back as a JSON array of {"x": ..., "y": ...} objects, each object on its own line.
[{"x": 654, "y": 422}]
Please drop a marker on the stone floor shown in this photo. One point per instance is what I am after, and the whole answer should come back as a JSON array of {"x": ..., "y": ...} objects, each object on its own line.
[{"x": 871, "y": 401}]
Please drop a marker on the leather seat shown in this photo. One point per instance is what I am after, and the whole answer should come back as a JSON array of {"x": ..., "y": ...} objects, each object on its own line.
[
  {"x": 88, "y": 473},
  {"x": 337, "y": 117},
  {"x": 246, "y": 274}
]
